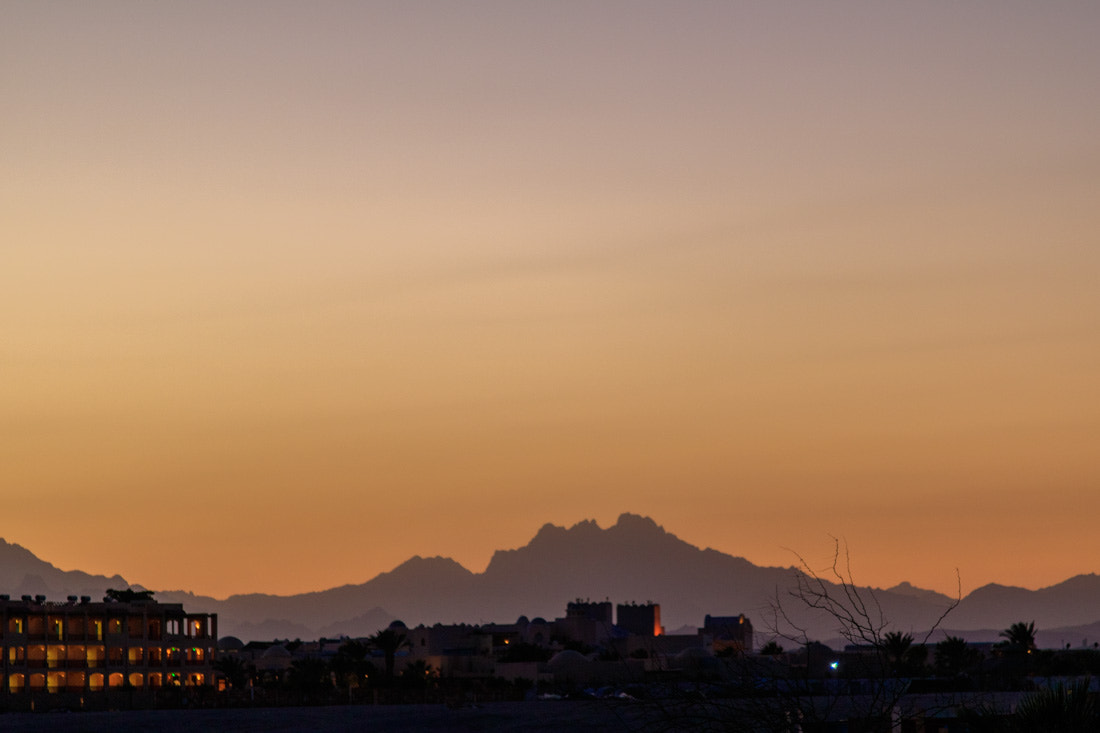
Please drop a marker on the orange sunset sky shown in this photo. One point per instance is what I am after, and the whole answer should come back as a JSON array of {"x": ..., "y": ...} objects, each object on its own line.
[{"x": 290, "y": 292}]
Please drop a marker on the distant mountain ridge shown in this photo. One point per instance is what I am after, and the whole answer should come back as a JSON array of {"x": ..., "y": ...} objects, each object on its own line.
[
  {"x": 633, "y": 560},
  {"x": 22, "y": 573}
]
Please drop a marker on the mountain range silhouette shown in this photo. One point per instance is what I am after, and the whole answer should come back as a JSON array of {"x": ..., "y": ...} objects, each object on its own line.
[{"x": 633, "y": 560}]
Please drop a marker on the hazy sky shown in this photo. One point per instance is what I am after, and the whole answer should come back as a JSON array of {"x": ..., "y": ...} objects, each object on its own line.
[{"x": 290, "y": 292}]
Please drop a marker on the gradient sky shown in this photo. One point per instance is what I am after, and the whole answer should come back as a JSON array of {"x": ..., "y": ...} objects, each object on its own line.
[{"x": 290, "y": 292}]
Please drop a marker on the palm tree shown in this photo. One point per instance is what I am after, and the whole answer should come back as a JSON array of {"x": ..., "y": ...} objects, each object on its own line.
[
  {"x": 309, "y": 675},
  {"x": 418, "y": 674},
  {"x": 896, "y": 646},
  {"x": 389, "y": 641},
  {"x": 953, "y": 655},
  {"x": 350, "y": 665},
  {"x": 236, "y": 670},
  {"x": 1020, "y": 636},
  {"x": 1062, "y": 709},
  {"x": 127, "y": 595}
]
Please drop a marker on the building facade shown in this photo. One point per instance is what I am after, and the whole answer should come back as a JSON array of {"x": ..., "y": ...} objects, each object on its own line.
[
  {"x": 83, "y": 647},
  {"x": 729, "y": 632},
  {"x": 640, "y": 619}
]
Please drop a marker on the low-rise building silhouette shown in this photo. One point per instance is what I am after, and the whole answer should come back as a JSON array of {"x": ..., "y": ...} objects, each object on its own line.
[
  {"x": 640, "y": 619},
  {"x": 732, "y": 633}
]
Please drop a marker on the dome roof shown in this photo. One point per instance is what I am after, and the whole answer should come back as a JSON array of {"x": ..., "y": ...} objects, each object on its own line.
[
  {"x": 567, "y": 659},
  {"x": 275, "y": 651},
  {"x": 230, "y": 644},
  {"x": 693, "y": 652},
  {"x": 397, "y": 624}
]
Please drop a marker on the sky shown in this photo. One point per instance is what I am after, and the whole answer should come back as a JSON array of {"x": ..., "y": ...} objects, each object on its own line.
[{"x": 291, "y": 292}]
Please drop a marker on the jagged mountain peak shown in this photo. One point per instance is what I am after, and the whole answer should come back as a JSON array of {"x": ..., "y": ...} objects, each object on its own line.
[
  {"x": 11, "y": 551},
  {"x": 905, "y": 588},
  {"x": 22, "y": 572},
  {"x": 548, "y": 532},
  {"x": 631, "y": 553},
  {"x": 637, "y": 524},
  {"x": 629, "y": 524},
  {"x": 1085, "y": 581},
  {"x": 630, "y": 533},
  {"x": 639, "y": 533},
  {"x": 992, "y": 588},
  {"x": 422, "y": 566}
]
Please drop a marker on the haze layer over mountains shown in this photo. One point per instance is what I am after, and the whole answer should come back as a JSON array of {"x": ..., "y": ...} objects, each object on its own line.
[{"x": 633, "y": 560}]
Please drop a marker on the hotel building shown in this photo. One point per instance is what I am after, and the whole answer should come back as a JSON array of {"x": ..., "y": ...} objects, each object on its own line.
[{"x": 83, "y": 647}]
